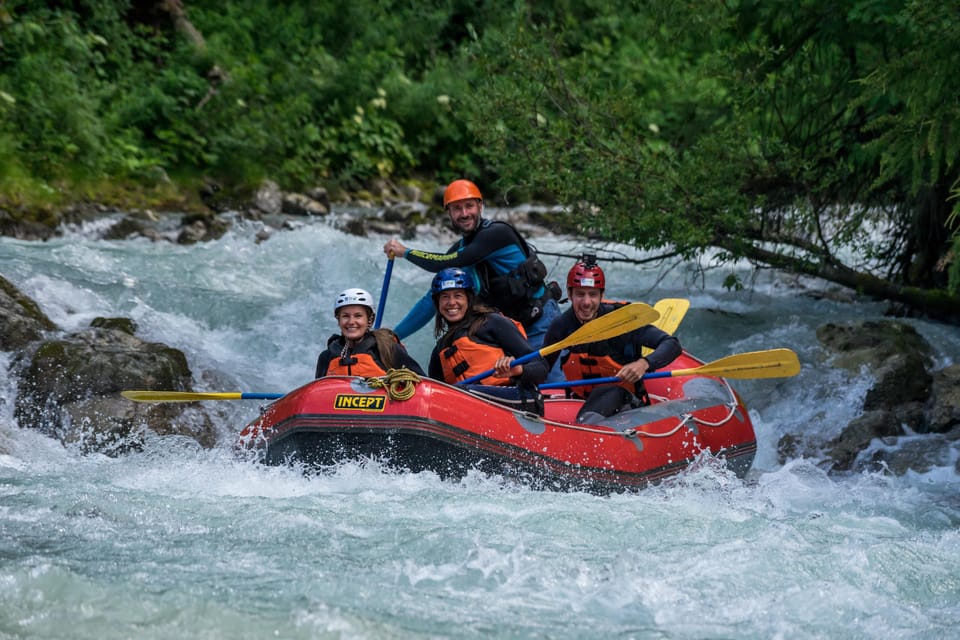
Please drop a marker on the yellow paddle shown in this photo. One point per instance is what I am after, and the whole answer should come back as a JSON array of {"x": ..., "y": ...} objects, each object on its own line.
[
  {"x": 773, "y": 363},
  {"x": 190, "y": 396},
  {"x": 671, "y": 312},
  {"x": 617, "y": 322}
]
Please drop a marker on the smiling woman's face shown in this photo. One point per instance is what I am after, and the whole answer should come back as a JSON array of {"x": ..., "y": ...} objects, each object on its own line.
[
  {"x": 452, "y": 304},
  {"x": 354, "y": 320}
]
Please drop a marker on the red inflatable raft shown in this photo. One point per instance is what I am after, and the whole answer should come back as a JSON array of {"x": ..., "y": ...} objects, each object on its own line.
[{"x": 428, "y": 425}]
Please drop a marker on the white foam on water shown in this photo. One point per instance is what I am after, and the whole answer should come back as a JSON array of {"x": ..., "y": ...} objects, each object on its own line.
[{"x": 178, "y": 541}]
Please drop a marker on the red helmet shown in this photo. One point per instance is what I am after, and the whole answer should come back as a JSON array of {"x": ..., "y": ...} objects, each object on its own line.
[
  {"x": 460, "y": 190},
  {"x": 586, "y": 274}
]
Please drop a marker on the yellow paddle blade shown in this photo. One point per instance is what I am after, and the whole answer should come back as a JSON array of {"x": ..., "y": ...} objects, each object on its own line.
[
  {"x": 617, "y": 322},
  {"x": 773, "y": 363},
  {"x": 671, "y": 312},
  {"x": 178, "y": 396}
]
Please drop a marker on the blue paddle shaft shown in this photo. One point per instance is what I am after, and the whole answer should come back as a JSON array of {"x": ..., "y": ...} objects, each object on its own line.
[
  {"x": 610, "y": 380},
  {"x": 383, "y": 294},
  {"x": 480, "y": 376},
  {"x": 579, "y": 383}
]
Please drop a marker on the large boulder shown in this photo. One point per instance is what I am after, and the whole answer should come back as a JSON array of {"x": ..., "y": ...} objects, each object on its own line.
[
  {"x": 943, "y": 409},
  {"x": 21, "y": 320},
  {"x": 871, "y": 343},
  {"x": 70, "y": 389},
  {"x": 905, "y": 399}
]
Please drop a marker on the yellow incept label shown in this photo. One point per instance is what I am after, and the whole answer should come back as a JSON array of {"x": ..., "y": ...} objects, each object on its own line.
[{"x": 361, "y": 402}]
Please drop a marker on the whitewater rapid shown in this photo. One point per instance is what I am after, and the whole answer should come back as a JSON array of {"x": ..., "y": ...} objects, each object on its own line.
[{"x": 179, "y": 541}]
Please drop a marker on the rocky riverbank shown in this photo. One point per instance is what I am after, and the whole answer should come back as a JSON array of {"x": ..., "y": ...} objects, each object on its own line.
[{"x": 382, "y": 207}]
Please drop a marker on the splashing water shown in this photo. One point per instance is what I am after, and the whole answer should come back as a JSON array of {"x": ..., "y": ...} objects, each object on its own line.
[{"x": 177, "y": 541}]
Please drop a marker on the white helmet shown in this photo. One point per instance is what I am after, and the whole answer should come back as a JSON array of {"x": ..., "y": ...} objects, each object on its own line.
[{"x": 353, "y": 296}]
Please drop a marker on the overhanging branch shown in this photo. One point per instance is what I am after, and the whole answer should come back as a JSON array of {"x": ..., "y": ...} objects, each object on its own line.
[{"x": 935, "y": 302}]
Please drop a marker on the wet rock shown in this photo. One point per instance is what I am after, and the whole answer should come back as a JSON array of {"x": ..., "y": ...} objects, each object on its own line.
[
  {"x": 789, "y": 447},
  {"x": 943, "y": 408},
  {"x": 901, "y": 378},
  {"x": 70, "y": 389},
  {"x": 268, "y": 198},
  {"x": 871, "y": 343},
  {"x": 356, "y": 227},
  {"x": 29, "y": 224},
  {"x": 297, "y": 204},
  {"x": 127, "y": 227},
  {"x": 404, "y": 212},
  {"x": 202, "y": 227},
  {"x": 321, "y": 195},
  {"x": 918, "y": 455},
  {"x": 905, "y": 399},
  {"x": 192, "y": 233},
  {"x": 263, "y": 234},
  {"x": 858, "y": 435},
  {"x": 21, "y": 320},
  {"x": 125, "y": 325},
  {"x": 386, "y": 228}
]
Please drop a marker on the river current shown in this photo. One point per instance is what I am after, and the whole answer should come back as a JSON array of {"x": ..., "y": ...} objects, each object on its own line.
[{"x": 182, "y": 542}]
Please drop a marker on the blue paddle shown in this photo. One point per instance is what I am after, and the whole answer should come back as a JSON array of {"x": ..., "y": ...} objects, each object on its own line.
[{"x": 383, "y": 293}]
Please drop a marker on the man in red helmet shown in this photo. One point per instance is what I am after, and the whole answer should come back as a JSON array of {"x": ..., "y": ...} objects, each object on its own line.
[
  {"x": 621, "y": 356},
  {"x": 505, "y": 269}
]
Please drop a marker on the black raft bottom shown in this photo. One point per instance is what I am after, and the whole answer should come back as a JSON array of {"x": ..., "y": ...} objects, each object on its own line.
[{"x": 317, "y": 450}]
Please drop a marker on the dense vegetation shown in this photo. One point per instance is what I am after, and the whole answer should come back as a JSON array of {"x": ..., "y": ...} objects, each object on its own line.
[{"x": 814, "y": 136}]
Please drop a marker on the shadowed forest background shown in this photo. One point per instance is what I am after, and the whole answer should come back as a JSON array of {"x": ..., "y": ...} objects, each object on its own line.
[{"x": 817, "y": 137}]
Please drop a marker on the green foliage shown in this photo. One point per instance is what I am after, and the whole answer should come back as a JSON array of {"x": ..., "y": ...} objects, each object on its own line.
[
  {"x": 605, "y": 115},
  {"x": 786, "y": 132},
  {"x": 317, "y": 91},
  {"x": 791, "y": 133}
]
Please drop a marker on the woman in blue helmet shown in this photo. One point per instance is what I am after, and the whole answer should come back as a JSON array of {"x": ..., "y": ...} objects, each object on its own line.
[{"x": 473, "y": 338}]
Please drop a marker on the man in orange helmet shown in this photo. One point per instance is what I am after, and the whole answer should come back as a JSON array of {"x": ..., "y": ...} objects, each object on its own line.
[
  {"x": 621, "y": 356},
  {"x": 506, "y": 271}
]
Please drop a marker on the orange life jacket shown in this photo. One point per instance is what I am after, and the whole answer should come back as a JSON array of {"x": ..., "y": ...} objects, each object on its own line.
[
  {"x": 465, "y": 358},
  {"x": 361, "y": 361},
  {"x": 583, "y": 366}
]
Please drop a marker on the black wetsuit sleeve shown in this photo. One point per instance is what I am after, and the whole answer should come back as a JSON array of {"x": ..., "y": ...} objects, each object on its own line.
[
  {"x": 404, "y": 359},
  {"x": 434, "y": 370},
  {"x": 561, "y": 327},
  {"x": 323, "y": 363},
  {"x": 487, "y": 240},
  {"x": 665, "y": 347},
  {"x": 502, "y": 332}
]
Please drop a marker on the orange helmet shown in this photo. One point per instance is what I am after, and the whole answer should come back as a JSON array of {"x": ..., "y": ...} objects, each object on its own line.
[
  {"x": 587, "y": 274},
  {"x": 461, "y": 190}
]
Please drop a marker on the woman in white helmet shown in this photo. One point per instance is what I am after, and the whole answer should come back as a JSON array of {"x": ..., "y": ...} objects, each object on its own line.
[{"x": 359, "y": 349}]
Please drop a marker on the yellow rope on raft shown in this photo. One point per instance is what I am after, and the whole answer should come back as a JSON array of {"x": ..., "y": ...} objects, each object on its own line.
[{"x": 400, "y": 384}]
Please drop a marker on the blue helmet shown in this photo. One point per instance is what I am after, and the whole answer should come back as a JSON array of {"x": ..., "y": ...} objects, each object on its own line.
[{"x": 451, "y": 278}]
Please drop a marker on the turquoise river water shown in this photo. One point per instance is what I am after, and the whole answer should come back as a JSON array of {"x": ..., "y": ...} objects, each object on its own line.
[{"x": 182, "y": 542}]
